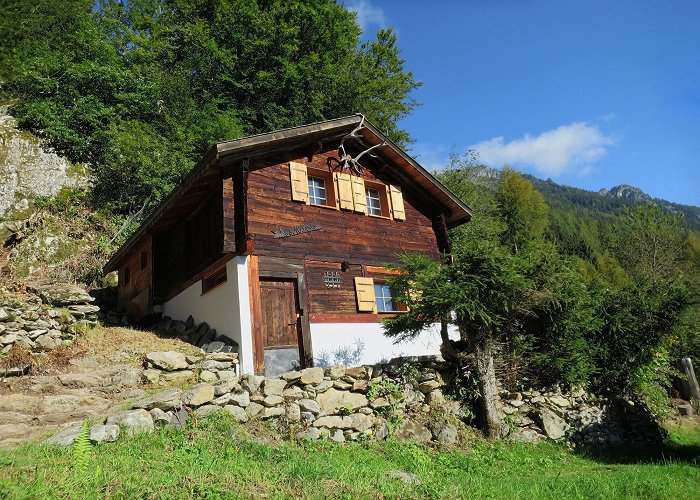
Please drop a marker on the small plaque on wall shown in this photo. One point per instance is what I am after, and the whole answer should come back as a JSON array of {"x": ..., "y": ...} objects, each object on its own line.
[{"x": 286, "y": 232}]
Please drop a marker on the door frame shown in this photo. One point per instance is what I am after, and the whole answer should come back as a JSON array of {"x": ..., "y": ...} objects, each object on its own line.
[{"x": 280, "y": 268}]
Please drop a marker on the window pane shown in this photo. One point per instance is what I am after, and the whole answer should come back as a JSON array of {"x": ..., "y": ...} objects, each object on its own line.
[
  {"x": 383, "y": 298},
  {"x": 373, "y": 202},
  {"x": 317, "y": 191}
]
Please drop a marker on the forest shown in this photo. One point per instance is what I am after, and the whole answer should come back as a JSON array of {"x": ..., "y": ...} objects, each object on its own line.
[{"x": 545, "y": 287}]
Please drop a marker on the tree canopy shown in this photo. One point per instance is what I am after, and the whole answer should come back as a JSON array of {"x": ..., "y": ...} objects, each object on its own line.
[{"x": 138, "y": 90}]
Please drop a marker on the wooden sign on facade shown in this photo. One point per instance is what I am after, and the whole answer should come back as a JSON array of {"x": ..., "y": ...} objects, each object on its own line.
[{"x": 285, "y": 232}]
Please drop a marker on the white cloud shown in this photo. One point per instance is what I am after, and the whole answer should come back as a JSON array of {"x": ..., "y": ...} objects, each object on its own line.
[
  {"x": 554, "y": 152},
  {"x": 368, "y": 15}
]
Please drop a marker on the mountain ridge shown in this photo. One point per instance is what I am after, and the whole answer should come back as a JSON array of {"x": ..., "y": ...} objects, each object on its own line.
[{"x": 608, "y": 200}]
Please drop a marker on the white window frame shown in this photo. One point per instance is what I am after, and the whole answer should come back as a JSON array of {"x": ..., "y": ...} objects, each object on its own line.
[
  {"x": 314, "y": 197},
  {"x": 381, "y": 298},
  {"x": 373, "y": 209}
]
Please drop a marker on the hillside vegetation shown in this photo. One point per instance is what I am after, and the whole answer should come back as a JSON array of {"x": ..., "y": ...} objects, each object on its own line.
[{"x": 544, "y": 295}]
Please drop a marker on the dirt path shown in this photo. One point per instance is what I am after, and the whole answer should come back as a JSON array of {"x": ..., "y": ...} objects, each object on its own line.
[{"x": 95, "y": 376}]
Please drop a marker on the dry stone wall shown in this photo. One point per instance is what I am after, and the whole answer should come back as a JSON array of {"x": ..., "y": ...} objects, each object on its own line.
[
  {"x": 579, "y": 418},
  {"x": 48, "y": 318},
  {"x": 405, "y": 399}
]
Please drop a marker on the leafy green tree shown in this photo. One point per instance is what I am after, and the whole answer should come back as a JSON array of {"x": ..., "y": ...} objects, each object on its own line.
[
  {"x": 652, "y": 244},
  {"x": 90, "y": 76},
  {"x": 490, "y": 288},
  {"x": 522, "y": 209}
]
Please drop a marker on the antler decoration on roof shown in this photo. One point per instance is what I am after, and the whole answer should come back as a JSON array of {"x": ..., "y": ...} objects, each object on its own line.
[{"x": 346, "y": 161}]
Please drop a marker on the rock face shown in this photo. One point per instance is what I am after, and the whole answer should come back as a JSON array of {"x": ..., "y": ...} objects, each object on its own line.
[{"x": 27, "y": 169}]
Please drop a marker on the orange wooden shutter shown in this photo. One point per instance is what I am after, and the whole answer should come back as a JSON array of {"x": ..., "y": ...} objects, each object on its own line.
[
  {"x": 397, "y": 208},
  {"x": 358, "y": 194},
  {"x": 300, "y": 182},
  {"x": 364, "y": 291},
  {"x": 344, "y": 183}
]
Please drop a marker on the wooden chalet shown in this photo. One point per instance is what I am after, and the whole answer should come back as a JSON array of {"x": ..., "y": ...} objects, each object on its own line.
[{"x": 280, "y": 242}]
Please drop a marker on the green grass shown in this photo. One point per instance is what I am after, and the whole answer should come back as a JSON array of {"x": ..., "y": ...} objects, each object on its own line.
[{"x": 217, "y": 459}]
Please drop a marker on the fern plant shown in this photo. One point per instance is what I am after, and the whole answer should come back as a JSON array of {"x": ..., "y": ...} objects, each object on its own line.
[{"x": 82, "y": 449}]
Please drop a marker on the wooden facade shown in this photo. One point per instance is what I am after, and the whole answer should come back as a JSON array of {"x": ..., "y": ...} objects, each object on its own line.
[{"x": 310, "y": 230}]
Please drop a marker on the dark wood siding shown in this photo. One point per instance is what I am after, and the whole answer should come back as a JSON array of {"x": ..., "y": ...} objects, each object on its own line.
[
  {"x": 361, "y": 240},
  {"x": 190, "y": 246},
  {"x": 343, "y": 235}
]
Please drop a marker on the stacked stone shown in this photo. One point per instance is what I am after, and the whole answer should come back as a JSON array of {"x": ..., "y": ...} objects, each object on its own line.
[
  {"x": 200, "y": 335},
  {"x": 577, "y": 416},
  {"x": 174, "y": 368},
  {"x": 45, "y": 320},
  {"x": 337, "y": 403}
]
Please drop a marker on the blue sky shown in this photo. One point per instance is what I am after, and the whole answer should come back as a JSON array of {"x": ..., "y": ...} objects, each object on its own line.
[{"x": 589, "y": 93}]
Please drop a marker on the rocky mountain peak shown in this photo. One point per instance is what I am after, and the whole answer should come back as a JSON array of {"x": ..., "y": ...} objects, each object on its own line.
[{"x": 626, "y": 192}]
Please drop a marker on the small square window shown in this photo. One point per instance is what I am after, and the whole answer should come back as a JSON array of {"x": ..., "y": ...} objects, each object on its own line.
[
  {"x": 317, "y": 191},
  {"x": 144, "y": 259},
  {"x": 127, "y": 276},
  {"x": 374, "y": 203},
  {"x": 382, "y": 294}
]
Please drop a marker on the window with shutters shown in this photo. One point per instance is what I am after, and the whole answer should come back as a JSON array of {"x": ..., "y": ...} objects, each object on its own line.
[
  {"x": 377, "y": 199},
  {"x": 375, "y": 296},
  {"x": 341, "y": 190}
]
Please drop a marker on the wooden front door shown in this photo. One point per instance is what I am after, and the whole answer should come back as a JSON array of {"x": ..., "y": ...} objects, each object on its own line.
[{"x": 281, "y": 326}]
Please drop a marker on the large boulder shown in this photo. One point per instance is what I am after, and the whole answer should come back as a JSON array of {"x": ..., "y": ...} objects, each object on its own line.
[
  {"x": 357, "y": 422},
  {"x": 409, "y": 430},
  {"x": 104, "y": 433},
  {"x": 166, "y": 400},
  {"x": 312, "y": 376},
  {"x": 198, "y": 395},
  {"x": 273, "y": 386},
  {"x": 65, "y": 437}
]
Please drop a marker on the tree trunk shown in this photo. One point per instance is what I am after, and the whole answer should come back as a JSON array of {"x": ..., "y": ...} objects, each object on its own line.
[{"x": 486, "y": 380}]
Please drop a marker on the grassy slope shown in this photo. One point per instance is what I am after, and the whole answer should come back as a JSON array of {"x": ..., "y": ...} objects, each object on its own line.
[{"x": 215, "y": 459}]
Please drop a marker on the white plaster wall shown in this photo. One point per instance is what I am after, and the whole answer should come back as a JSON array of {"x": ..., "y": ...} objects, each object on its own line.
[
  {"x": 330, "y": 338},
  {"x": 226, "y": 308}
]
